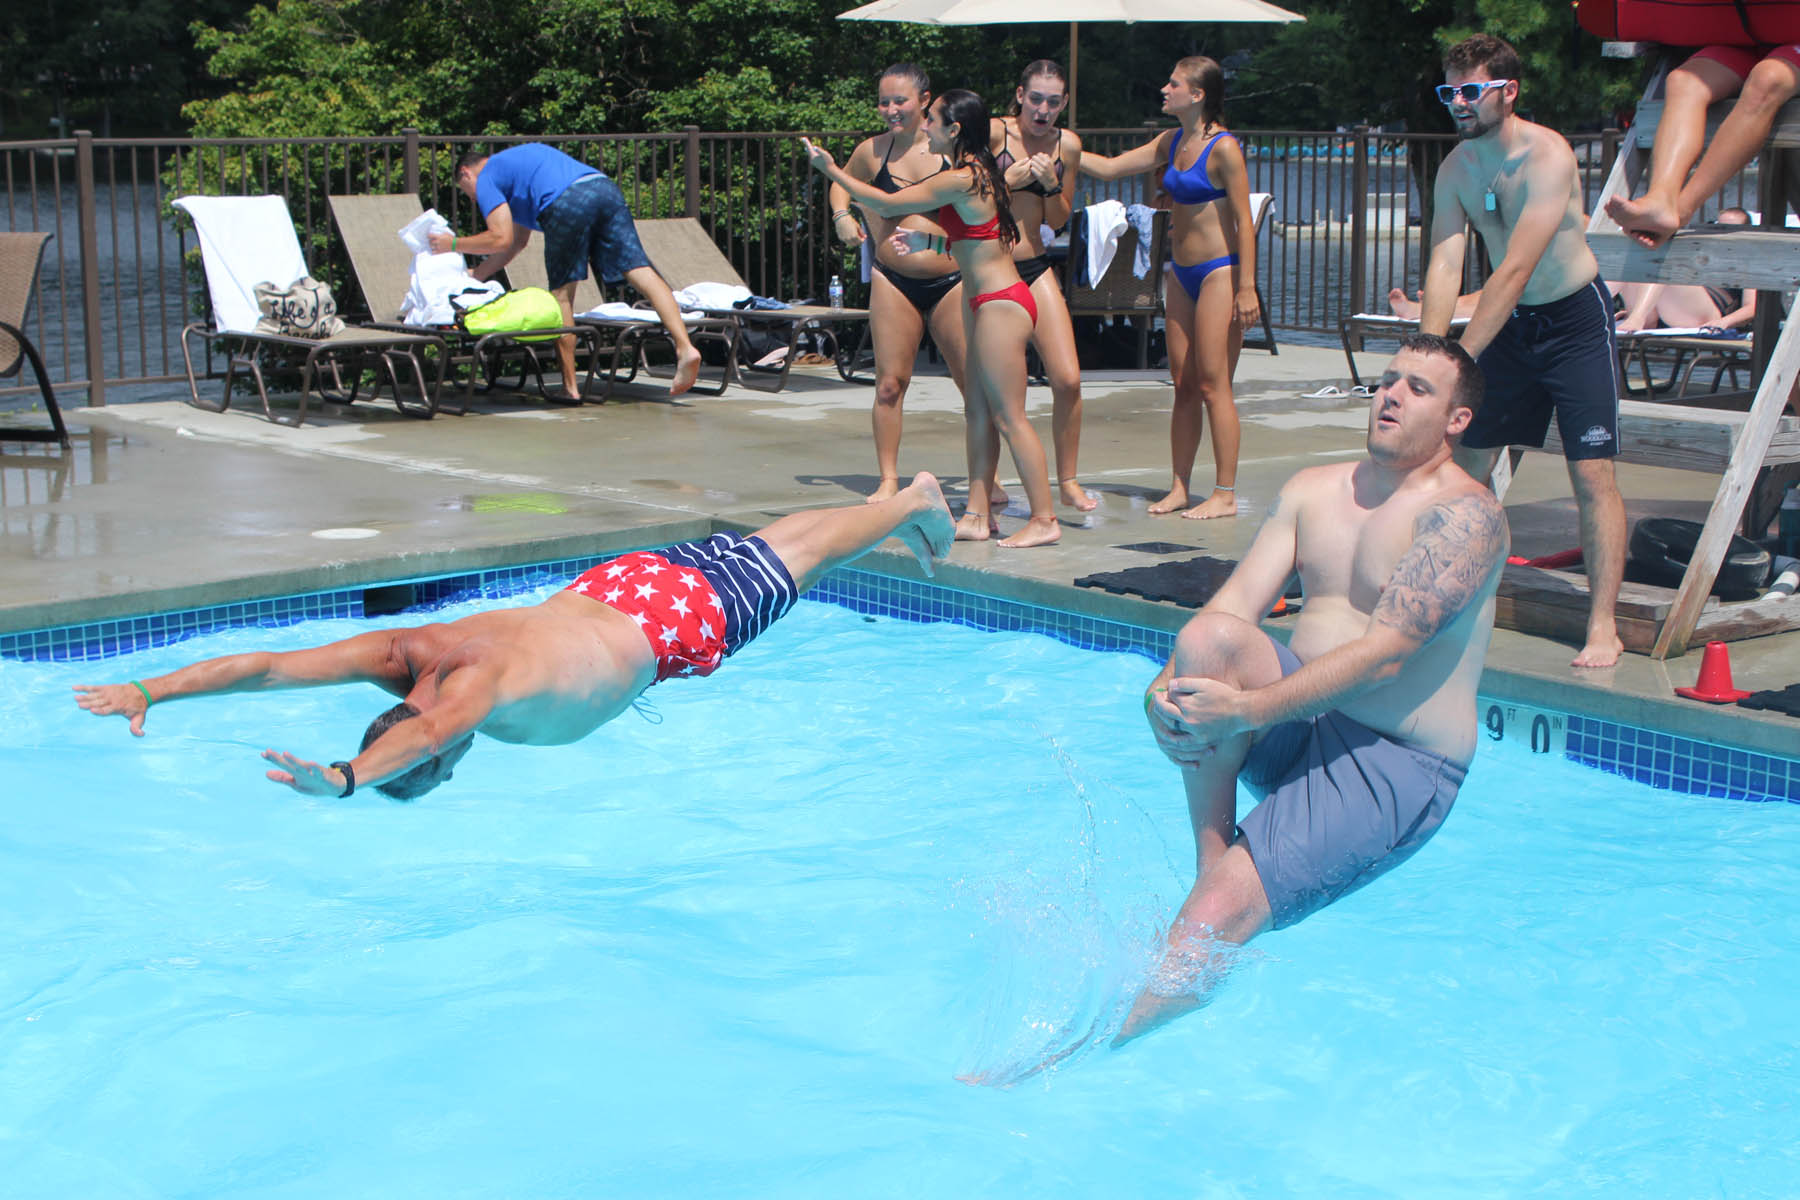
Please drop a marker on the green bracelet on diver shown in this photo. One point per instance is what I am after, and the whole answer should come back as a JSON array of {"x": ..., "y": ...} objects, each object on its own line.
[{"x": 140, "y": 687}]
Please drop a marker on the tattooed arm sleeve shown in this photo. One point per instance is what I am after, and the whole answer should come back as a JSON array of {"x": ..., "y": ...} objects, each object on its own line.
[{"x": 1456, "y": 546}]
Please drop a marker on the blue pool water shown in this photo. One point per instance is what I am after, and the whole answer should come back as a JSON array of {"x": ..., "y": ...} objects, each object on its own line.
[{"x": 746, "y": 948}]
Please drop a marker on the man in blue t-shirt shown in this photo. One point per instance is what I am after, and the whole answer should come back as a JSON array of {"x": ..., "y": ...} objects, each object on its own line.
[{"x": 585, "y": 222}]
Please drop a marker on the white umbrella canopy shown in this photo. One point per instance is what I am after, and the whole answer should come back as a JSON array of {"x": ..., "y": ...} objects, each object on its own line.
[{"x": 1025, "y": 12}]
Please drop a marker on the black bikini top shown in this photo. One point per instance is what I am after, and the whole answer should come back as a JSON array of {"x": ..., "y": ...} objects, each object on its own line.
[
  {"x": 1004, "y": 160},
  {"x": 884, "y": 178}
]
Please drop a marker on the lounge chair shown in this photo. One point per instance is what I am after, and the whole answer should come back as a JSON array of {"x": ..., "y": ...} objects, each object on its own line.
[
  {"x": 684, "y": 254},
  {"x": 630, "y": 339},
  {"x": 1355, "y": 329},
  {"x": 382, "y": 264},
  {"x": 1261, "y": 204},
  {"x": 20, "y": 254},
  {"x": 246, "y": 240},
  {"x": 1119, "y": 292},
  {"x": 1684, "y": 352}
]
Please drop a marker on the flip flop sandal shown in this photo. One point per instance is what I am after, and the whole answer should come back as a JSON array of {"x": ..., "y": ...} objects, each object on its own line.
[
  {"x": 1330, "y": 391},
  {"x": 1363, "y": 390}
]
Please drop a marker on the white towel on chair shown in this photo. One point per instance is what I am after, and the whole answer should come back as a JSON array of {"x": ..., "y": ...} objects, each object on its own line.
[
  {"x": 244, "y": 241},
  {"x": 1106, "y": 224},
  {"x": 417, "y": 232},
  {"x": 711, "y": 295},
  {"x": 618, "y": 310},
  {"x": 436, "y": 278}
]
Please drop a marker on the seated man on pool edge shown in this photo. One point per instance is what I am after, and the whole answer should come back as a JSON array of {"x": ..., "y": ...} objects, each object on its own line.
[
  {"x": 1359, "y": 732},
  {"x": 552, "y": 673}
]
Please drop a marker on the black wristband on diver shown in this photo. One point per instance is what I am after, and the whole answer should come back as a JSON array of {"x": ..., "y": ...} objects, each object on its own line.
[{"x": 349, "y": 779}]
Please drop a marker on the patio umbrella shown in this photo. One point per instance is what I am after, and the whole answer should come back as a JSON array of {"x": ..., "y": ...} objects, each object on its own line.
[{"x": 1024, "y": 12}]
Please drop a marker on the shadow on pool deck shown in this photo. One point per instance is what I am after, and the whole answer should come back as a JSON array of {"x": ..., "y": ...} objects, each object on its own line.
[{"x": 162, "y": 506}]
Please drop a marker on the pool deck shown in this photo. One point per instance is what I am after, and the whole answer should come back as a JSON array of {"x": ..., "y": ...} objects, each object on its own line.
[{"x": 162, "y": 506}]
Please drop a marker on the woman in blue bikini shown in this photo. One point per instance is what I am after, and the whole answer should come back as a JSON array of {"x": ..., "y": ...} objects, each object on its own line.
[{"x": 1213, "y": 272}]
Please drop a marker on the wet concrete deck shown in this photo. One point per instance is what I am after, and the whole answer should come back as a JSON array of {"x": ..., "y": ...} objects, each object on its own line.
[{"x": 163, "y": 506}]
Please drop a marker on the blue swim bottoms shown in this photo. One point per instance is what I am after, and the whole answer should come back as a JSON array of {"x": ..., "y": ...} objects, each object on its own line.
[
  {"x": 1342, "y": 805},
  {"x": 589, "y": 225}
]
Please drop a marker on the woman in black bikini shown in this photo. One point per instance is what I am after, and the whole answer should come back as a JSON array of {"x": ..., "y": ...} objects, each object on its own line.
[
  {"x": 1035, "y": 157},
  {"x": 970, "y": 201},
  {"x": 1211, "y": 292},
  {"x": 906, "y": 291}
]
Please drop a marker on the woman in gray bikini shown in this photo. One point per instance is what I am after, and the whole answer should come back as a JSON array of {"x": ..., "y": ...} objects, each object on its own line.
[
  {"x": 1036, "y": 157},
  {"x": 906, "y": 291}
]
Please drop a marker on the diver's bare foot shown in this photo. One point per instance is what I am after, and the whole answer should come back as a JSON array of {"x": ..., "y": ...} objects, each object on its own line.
[
  {"x": 887, "y": 490},
  {"x": 1649, "y": 220},
  {"x": 975, "y": 527},
  {"x": 929, "y": 534},
  {"x": 1601, "y": 651},
  {"x": 1402, "y": 305},
  {"x": 1175, "y": 501},
  {"x": 687, "y": 371},
  {"x": 1219, "y": 504},
  {"x": 1039, "y": 531},
  {"x": 1077, "y": 497}
]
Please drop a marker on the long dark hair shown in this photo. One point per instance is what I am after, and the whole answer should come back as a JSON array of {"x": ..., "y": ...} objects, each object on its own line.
[
  {"x": 966, "y": 110},
  {"x": 1044, "y": 67}
]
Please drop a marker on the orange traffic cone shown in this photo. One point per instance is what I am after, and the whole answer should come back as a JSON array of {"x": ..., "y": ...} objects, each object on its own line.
[{"x": 1714, "y": 684}]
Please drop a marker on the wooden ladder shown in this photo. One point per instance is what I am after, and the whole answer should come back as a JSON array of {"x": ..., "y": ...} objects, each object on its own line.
[{"x": 1740, "y": 446}]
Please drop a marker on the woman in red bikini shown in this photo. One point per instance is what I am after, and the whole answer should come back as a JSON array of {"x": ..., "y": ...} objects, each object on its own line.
[
  {"x": 970, "y": 200},
  {"x": 908, "y": 293},
  {"x": 1036, "y": 157},
  {"x": 1212, "y": 268}
]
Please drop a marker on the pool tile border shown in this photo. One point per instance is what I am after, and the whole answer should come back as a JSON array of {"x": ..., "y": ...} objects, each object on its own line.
[{"x": 1662, "y": 760}]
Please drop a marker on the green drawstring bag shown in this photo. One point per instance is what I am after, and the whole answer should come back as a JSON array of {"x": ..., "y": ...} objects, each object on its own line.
[{"x": 516, "y": 312}]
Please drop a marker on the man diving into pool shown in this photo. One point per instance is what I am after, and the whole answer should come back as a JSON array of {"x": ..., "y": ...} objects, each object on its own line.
[
  {"x": 554, "y": 672},
  {"x": 1360, "y": 730}
]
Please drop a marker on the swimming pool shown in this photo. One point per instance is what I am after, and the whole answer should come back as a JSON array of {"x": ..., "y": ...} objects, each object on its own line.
[{"x": 745, "y": 947}]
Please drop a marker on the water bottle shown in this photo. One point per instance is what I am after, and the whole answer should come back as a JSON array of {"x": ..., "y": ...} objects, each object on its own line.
[{"x": 836, "y": 292}]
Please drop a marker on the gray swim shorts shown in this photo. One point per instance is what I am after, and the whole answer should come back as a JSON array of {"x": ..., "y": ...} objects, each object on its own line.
[{"x": 1342, "y": 804}]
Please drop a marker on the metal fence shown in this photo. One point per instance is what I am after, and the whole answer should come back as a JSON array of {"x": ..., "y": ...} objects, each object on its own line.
[{"x": 121, "y": 274}]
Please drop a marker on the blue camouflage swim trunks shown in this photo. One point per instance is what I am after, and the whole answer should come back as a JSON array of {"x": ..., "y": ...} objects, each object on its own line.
[{"x": 589, "y": 225}]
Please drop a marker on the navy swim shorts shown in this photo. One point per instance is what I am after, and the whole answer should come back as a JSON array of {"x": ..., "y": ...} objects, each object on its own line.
[
  {"x": 589, "y": 225},
  {"x": 1558, "y": 358},
  {"x": 1342, "y": 805}
]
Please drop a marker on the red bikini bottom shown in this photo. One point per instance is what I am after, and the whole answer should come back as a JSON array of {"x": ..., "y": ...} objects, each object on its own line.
[{"x": 1018, "y": 293}]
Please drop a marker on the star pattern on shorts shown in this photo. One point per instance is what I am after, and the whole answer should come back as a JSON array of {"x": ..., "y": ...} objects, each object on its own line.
[{"x": 682, "y": 619}]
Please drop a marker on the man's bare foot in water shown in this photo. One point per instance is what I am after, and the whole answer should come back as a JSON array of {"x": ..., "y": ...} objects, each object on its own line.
[
  {"x": 1602, "y": 650},
  {"x": 976, "y": 527},
  {"x": 929, "y": 534},
  {"x": 1039, "y": 531},
  {"x": 687, "y": 370},
  {"x": 1175, "y": 501},
  {"x": 1402, "y": 305},
  {"x": 1077, "y": 497},
  {"x": 886, "y": 490},
  {"x": 1650, "y": 220},
  {"x": 1219, "y": 504}
]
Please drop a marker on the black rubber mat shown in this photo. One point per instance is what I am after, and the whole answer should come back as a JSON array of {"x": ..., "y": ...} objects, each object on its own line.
[
  {"x": 1189, "y": 581},
  {"x": 1786, "y": 700}
]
